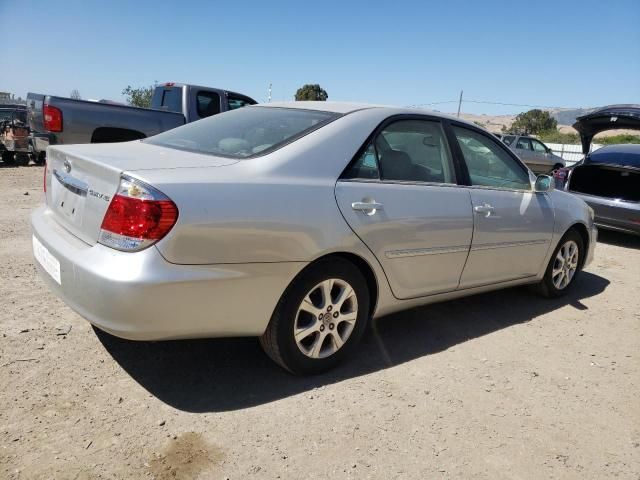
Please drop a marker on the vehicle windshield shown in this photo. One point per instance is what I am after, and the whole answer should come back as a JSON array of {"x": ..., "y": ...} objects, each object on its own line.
[{"x": 245, "y": 132}]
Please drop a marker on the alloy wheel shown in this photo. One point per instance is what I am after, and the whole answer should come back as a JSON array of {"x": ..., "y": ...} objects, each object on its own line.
[
  {"x": 565, "y": 264},
  {"x": 326, "y": 318}
]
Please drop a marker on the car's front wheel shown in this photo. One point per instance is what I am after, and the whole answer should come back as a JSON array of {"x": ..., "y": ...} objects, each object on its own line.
[
  {"x": 564, "y": 265},
  {"x": 319, "y": 319}
]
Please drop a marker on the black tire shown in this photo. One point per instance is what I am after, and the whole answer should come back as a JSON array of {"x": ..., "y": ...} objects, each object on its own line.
[
  {"x": 278, "y": 340},
  {"x": 8, "y": 157},
  {"x": 546, "y": 286}
]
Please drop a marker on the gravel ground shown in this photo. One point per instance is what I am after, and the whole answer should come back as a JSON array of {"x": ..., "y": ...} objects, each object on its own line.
[{"x": 500, "y": 385}]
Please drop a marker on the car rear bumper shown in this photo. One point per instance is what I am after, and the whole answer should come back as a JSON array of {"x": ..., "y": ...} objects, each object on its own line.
[
  {"x": 141, "y": 296},
  {"x": 614, "y": 214}
]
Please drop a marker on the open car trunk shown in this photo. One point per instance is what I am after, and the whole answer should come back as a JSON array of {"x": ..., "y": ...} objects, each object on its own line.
[
  {"x": 606, "y": 181},
  {"x": 606, "y": 118}
]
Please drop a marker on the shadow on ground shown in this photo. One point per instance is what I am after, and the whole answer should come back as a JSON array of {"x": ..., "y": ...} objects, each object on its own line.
[
  {"x": 618, "y": 239},
  {"x": 230, "y": 374}
]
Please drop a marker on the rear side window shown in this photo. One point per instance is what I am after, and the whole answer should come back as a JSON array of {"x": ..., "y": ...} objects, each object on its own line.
[
  {"x": 245, "y": 132},
  {"x": 488, "y": 164},
  {"x": 208, "y": 103},
  {"x": 408, "y": 151}
]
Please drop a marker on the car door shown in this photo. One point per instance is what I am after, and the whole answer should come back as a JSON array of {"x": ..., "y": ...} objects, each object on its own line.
[
  {"x": 399, "y": 195},
  {"x": 513, "y": 225}
]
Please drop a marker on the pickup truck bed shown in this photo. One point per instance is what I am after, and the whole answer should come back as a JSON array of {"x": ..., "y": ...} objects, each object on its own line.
[{"x": 59, "y": 120}]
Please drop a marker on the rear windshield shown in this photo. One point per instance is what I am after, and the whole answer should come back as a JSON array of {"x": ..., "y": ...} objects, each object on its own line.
[
  {"x": 168, "y": 98},
  {"x": 245, "y": 132}
]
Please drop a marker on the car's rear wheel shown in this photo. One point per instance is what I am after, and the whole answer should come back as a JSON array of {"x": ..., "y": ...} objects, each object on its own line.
[
  {"x": 319, "y": 319},
  {"x": 564, "y": 265}
]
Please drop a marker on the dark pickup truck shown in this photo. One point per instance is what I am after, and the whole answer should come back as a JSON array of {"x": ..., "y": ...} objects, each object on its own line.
[{"x": 59, "y": 120}]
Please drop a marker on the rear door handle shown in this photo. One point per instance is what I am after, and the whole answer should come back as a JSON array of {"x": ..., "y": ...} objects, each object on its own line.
[
  {"x": 486, "y": 209},
  {"x": 368, "y": 208}
]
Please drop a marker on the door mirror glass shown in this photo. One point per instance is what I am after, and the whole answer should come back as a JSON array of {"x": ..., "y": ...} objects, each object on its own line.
[{"x": 544, "y": 183}]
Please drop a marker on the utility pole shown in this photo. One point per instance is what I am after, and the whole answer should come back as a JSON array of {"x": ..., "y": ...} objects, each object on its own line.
[
  {"x": 460, "y": 103},
  {"x": 269, "y": 98}
]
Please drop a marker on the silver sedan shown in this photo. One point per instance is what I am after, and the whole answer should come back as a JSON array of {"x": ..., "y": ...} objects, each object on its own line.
[{"x": 298, "y": 223}]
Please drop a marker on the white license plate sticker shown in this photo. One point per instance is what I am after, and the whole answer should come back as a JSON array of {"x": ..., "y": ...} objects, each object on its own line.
[{"x": 48, "y": 261}]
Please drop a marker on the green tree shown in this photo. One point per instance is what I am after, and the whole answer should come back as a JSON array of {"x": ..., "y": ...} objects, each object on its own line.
[
  {"x": 138, "y": 97},
  {"x": 534, "y": 121},
  {"x": 311, "y": 92}
]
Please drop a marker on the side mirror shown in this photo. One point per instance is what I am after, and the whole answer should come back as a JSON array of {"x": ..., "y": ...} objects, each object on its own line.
[{"x": 544, "y": 183}]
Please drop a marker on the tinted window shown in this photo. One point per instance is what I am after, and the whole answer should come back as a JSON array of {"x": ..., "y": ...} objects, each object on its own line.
[
  {"x": 238, "y": 102},
  {"x": 208, "y": 103},
  {"x": 508, "y": 139},
  {"x": 488, "y": 164},
  {"x": 524, "y": 144},
  {"x": 171, "y": 99},
  {"x": 538, "y": 146},
  {"x": 245, "y": 132},
  {"x": 366, "y": 166},
  {"x": 414, "y": 150}
]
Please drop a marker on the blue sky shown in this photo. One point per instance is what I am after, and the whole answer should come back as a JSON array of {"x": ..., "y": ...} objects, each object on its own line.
[{"x": 570, "y": 53}]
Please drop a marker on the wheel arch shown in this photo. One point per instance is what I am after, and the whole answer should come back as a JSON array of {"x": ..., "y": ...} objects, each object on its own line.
[
  {"x": 113, "y": 134},
  {"x": 584, "y": 235},
  {"x": 363, "y": 267}
]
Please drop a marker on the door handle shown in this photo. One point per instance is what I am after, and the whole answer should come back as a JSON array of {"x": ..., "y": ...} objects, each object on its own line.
[
  {"x": 486, "y": 209},
  {"x": 368, "y": 208}
]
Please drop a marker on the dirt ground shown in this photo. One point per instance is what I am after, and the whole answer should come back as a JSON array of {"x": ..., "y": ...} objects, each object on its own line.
[{"x": 501, "y": 385}]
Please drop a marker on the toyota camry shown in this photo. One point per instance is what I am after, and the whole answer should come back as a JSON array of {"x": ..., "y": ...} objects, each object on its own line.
[{"x": 298, "y": 222}]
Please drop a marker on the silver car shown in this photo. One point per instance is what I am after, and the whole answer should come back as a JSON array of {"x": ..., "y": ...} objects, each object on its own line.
[
  {"x": 535, "y": 154},
  {"x": 298, "y": 222}
]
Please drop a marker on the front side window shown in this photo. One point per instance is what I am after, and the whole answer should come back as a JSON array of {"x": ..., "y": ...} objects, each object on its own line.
[
  {"x": 208, "y": 103},
  {"x": 488, "y": 164},
  {"x": 538, "y": 146},
  {"x": 524, "y": 144},
  {"x": 245, "y": 132}
]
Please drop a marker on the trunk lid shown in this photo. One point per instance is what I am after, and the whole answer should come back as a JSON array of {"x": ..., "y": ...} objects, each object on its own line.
[{"x": 82, "y": 179}]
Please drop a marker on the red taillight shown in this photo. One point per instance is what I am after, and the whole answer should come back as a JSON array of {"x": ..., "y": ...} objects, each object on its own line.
[
  {"x": 138, "y": 216},
  {"x": 52, "y": 118},
  {"x": 143, "y": 219}
]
